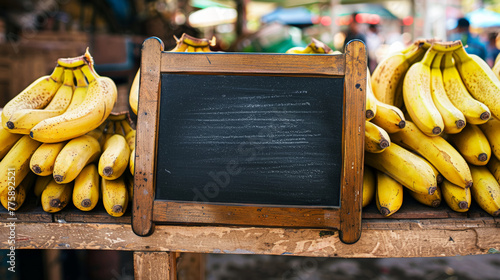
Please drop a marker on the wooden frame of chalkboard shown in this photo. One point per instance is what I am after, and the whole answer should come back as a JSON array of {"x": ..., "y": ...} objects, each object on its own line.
[{"x": 158, "y": 66}]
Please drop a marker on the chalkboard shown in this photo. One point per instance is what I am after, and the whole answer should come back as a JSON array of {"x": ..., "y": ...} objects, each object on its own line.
[
  {"x": 239, "y": 139},
  {"x": 250, "y": 139}
]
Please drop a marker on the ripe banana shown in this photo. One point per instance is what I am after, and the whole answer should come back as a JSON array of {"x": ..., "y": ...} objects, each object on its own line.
[
  {"x": 454, "y": 120},
  {"x": 42, "y": 161},
  {"x": 319, "y": 47},
  {"x": 457, "y": 198},
  {"x": 368, "y": 185},
  {"x": 391, "y": 71},
  {"x": 21, "y": 121},
  {"x": 472, "y": 145},
  {"x": 75, "y": 155},
  {"x": 388, "y": 117},
  {"x": 418, "y": 98},
  {"x": 388, "y": 195},
  {"x": 86, "y": 188},
  {"x": 405, "y": 167},
  {"x": 492, "y": 131},
  {"x": 130, "y": 137},
  {"x": 114, "y": 159},
  {"x": 40, "y": 184},
  {"x": 37, "y": 95},
  {"x": 486, "y": 190},
  {"x": 114, "y": 196},
  {"x": 56, "y": 196},
  {"x": 474, "y": 111},
  {"x": 117, "y": 117},
  {"x": 8, "y": 140},
  {"x": 133, "y": 98},
  {"x": 13, "y": 199},
  {"x": 98, "y": 103},
  {"x": 432, "y": 200},
  {"x": 299, "y": 50},
  {"x": 15, "y": 165},
  {"x": 376, "y": 139},
  {"x": 494, "y": 167},
  {"x": 371, "y": 101},
  {"x": 126, "y": 127},
  {"x": 437, "y": 151},
  {"x": 74, "y": 62},
  {"x": 80, "y": 91},
  {"x": 479, "y": 79},
  {"x": 131, "y": 162},
  {"x": 97, "y": 133}
]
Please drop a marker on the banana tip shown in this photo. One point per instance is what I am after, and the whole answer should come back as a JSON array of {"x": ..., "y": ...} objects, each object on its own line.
[
  {"x": 432, "y": 190},
  {"x": 384, "y": 211},
  {"x": 10, "y": 125},
  {"x": 469, "y": 184},
  {"x": 482, "y": 157},
  {"x": 58, "y": 178},
  {"x": 463, "y": 205},
  {"x": 107, "y": 171},
  {"x": 485, "y": 116},
  {"x": 56, "y": 203},
  {"x": 369, "y": 114},
  {"x": 384, "y": 144},
  {"x": 439, "y": 178},
  {"x": 460, "y": 124},
  {"x": 436, "y": 203},
  {"x": 402, "y": 124},
  {"x": 437, "y": 130},
  {"x": 117, "y": 209},
  {"x": 86, "y": 203},
  {"x": 35, "y": 168}
]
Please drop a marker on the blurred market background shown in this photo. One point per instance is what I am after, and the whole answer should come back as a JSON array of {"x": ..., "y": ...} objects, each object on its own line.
[{"x": 34, "y": 33}]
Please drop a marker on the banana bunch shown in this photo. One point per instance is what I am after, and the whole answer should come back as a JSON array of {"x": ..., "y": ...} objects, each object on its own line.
[
  {"x": 184, "y": 44},
  {"x": 314, "y": 47}
]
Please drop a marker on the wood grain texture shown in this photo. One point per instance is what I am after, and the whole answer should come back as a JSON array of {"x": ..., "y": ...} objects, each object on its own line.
[
  {"x": 381, "y": 238},
  {"x": 191, "y": 266},
  {"x": 247, "y": 215},
  {"x": 353, "y": 142},
  {"x": 146, "y": 138},
  {"x": 155, "y": 266},
  {"x": 332, "y": 65},
  {"x": 28, "y": 212}
]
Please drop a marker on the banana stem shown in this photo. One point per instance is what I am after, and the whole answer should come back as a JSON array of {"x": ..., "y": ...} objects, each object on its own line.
[
  {"x": 57, "y": 74},
  {"x": 429, "y": 56},
  {"x": 68, "y": 77},
  {"x": 461, "y": 55},
  {"x": 80, "y": 78},
  {"x": 89, "y": 73},
  {"x": 436, "y": 63},
  {"x": 448, "y": 60}
]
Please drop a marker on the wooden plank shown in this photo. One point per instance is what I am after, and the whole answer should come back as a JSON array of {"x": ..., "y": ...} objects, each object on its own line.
[
  {"x": 155, "y": 266},
  {"x": 71, "y": 214},
  {"x": 353, "y": 142},
  {"x": 191, "y": 266},
  {"x": 30, "y": 211},
  {"x": 381, "y": 239},
  {"x": 147, "y": 128},
  {"x": 249, "y": 215},
  {"x": 252, "y": 63}
]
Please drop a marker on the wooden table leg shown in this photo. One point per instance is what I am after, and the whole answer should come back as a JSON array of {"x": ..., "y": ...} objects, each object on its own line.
[
  {"x": 155, "y": 266},
  {"x": 191, "y": 266}
]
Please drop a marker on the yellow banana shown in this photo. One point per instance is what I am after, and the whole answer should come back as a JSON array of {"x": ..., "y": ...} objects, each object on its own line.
[
  {"x": 446, "y": 159},
  {"x": 13, "y": 199},
  {"x": 16, "y": 164},
  {"x": 479, "y": 79},
  {"x": 131, "y": 162},
  {"x": 454, "y": 120},
  {"x": 80, "y": 91},
  {"x": 472, "y": 145},
  {"x": 74, "y": 62},
  {"x": 130, "y": 137},
  {"x": 119, "y": 129},
  {"x": 457, "y": 198},
  {"x": 8, "y": 140},
  {"x": 133, "y": 98},
  {"x": 494, "y": 167},
  {"x": 418, "y": 98},
  {"x": 114, "y": 196},
  {"x": 432, "y": 200},
  {"x": 195, "y": 42},
  {"x": 474, "y": 111},
  {"x": 405, "y": 167},
  {"x": 319, "y": 47},
  {"x": 114, "y": 159},
  {"x": 486, "y": 190},
  {"x": 388, "y": 195},
  {"x": 86, "y": 188},
  {"x": 371, "y": 101},
  {"x": 98, "y": 103},
  {"x": 37, "y": 95},
  {"x": 376, "y": 139},
  {"x": 126, "y": 127},
  {"x": 368, "y": 185},
  {"x": 117, "y": 117},
  {"x": 56, "y": 196},
  {"x": 97, "y": 133},
  {"x": 42, "y": 161},
  {"x": 21, "y": 121},
  {"x": 40, "y": 184},
  {"x": 496, "y": 67},
  {"x": 492, "y": 131},
  {"x": 391, "y": 71},
  {"x": 296, "y": 50},
  {"x": 75, "y": 155},
  {"x": 388, "y": 117}
]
